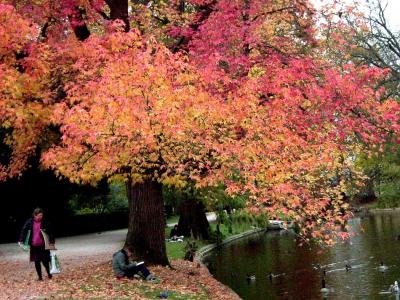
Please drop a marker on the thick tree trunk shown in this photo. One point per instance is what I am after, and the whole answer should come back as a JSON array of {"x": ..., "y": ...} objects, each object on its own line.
[
  {"x": 367, "y": 194},
  {"x": 119, "y": 10},
  {"x": 193, "y": 220},
  {"x": 146, "y": 231},
  {"x": 79, "y": 25}
]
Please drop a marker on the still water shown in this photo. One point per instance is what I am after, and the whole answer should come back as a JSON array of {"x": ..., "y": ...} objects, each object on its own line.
[{"x": 298, "y": 270}]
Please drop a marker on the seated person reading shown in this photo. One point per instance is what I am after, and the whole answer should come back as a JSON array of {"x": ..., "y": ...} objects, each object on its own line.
[
  {"x": 122, "y": 267},
  {"x": 174, "y": 235}
]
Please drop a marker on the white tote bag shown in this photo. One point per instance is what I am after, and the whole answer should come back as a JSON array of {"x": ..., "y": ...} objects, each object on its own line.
[{"x": 55, "y": 267}]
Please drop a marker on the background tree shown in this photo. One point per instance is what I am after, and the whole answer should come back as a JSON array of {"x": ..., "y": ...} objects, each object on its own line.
[
  {"x": 382, "y": 182},
  {"x": 365, "y": 37}
]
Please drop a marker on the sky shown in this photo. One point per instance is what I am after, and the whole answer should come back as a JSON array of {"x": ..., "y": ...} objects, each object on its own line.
[{"x": 392, "y": 11}]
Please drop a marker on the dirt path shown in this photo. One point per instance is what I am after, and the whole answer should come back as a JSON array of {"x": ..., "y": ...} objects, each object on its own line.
[
  {"x": 72, "y": 251},
  {"x": 85, "y": 245}
]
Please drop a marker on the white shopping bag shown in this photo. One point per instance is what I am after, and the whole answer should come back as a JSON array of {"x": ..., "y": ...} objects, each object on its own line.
[{"x": 54, "y": 263}]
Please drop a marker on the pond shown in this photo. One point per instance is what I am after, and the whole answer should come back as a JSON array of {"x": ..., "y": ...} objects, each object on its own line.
[{"x": 297, "y": 271}]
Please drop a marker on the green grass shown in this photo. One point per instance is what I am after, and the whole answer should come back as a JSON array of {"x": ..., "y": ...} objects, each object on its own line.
[
  {"x": 177, "y": 250},
  {"x": 236, "y": 228},
  {"x": 372, "y": 205},
  {"x": 173, "y": 219}
]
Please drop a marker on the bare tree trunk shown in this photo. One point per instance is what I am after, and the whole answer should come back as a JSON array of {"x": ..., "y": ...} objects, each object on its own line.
[
  {"x": 79, "y": 25},
  {"x": 193, "y": 220},
  {"x": 146, "y": 231},
  {"x": 119, "y": 10}
]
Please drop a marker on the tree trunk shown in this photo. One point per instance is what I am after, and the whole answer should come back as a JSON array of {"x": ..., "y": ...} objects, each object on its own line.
[
  {"x": 146, "y": 231},
  {"x": 193, "y": 220},
  {"x": 367, "y": 194},
  {"x": 119, "y": 10},
  {"x": 79, "y": 25}
]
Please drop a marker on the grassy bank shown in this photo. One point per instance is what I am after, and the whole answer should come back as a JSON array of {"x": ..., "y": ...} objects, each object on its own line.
[{"x": 227, "y": 229}]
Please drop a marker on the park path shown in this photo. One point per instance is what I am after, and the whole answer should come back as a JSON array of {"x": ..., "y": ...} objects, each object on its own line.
[
  {"x": 72, "y": 251},
  {"x": 72, "y": 247}
]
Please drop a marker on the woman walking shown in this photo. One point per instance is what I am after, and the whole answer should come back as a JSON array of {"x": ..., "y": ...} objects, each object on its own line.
[{"x": 34, "y": 229}]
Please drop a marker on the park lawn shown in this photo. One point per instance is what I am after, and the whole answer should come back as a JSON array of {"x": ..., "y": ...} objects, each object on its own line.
[
  {"x": 236, "y": 228},
  {"x": 177, "y": 250},
  {"x": 173, "y": 219}
]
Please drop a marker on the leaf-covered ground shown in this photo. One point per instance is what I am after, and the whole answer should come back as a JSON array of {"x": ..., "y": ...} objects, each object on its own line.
[{"x": 93, "y": 279}]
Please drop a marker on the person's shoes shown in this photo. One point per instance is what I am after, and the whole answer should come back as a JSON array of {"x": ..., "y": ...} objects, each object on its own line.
[
  {"x": 40, "y": 279},
  {"x": 50, "y": 276},
  {"x": 151, "y": 278}
]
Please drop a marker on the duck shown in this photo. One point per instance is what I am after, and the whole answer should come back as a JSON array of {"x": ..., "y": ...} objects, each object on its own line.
[
  {"x": 394, "y": 288},
  {"x": 250, "y": 277},
  {"x": 324, "y": 289},
  {"x": 348, "y": 267},
  {"x": 382, "y": 267},
  {"x": 270, "y": 276},
  {"x": 317, "y": 267}
]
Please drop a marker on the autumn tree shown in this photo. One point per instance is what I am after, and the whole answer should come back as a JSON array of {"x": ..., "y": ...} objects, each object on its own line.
[
  {"x": 226, "y": 39},
  {"x": 380, "y": 46},
  {"x": 148, "y": 124},
  {"x": 237, "y": 94},
  {"x": 362, "y": 35},
  {"x": 59, "y": 28}
]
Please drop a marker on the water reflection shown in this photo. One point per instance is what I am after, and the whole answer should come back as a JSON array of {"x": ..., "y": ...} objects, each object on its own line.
[{"x": 297, "y": 272}]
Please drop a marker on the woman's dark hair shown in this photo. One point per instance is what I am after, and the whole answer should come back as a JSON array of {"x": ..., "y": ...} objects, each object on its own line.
[{"x": 37, "y": 211}]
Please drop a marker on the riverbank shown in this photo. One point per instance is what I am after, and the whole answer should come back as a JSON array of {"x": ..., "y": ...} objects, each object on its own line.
[
  {"x": 207, "y": 249},
  {"x": 369, "y": 210}
]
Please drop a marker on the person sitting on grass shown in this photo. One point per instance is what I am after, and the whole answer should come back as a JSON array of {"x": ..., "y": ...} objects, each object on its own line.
[
  {"x": 173, "y": 236},
  {"x": 122, "y": 267},
  {"x": 174, "y": 232}
]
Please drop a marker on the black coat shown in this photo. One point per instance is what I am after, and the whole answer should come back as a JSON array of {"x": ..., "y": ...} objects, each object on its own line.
[{"x": 46, "y": 227}]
